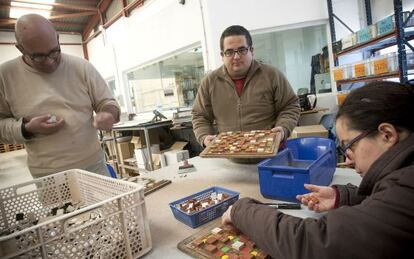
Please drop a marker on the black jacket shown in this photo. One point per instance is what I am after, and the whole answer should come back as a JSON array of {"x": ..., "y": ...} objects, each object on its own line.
[{"x": 375, "y": 220}]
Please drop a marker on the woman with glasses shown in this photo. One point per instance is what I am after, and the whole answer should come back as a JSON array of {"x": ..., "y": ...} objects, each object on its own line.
[{"x": 375, "y": 220}]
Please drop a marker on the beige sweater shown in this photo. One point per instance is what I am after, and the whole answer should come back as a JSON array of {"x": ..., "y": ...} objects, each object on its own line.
[{"x": 72, "y": 92}]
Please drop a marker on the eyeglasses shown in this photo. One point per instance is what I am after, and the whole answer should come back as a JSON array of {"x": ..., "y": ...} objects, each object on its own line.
[
  {"x": 231, "y": 52},
  {"x": 39, "y": 58},
  {"x": 344, "y": 148}
]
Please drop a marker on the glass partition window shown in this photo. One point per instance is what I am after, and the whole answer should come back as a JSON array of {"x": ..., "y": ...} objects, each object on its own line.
[
  {"x": 116, "y": 93},
  {"x": 291, "y": 52},
  {"x": 169, "y": 83}
]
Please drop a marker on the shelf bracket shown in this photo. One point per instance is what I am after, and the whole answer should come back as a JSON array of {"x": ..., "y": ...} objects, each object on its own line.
[
  {"x": 368, "y": 11},
  {"x": 408, "y": 18},
  {"x": 402, "y": 57}
]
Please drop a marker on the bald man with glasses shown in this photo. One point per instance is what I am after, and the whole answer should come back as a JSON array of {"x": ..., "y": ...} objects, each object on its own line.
[
  {"x": 243, "y": 94},
  {"x": 48, "y": 100}
]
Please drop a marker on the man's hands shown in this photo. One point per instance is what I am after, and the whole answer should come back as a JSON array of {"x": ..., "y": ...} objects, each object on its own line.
[
  {"x": 281, "y": 132},
  {"x": 207, "y": 140},
  {"x": 103, "y": 121},
  {"x": 41, "y": 125},
  {"x": 321, "y": 198}
]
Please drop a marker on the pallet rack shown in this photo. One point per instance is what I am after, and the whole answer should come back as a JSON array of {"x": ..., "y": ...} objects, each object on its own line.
[{"x": 399, "y": 37}]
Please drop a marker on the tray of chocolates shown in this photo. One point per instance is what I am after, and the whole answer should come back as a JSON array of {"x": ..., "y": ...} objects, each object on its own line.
[
  {"x": 220, "y": 241},
  {"x": 243, "y": 144}
]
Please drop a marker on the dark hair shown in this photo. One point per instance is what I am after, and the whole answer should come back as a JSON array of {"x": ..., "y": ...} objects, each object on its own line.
[
  {"x": 379, "y": 102},
  {"x": 236, "y": 30}
]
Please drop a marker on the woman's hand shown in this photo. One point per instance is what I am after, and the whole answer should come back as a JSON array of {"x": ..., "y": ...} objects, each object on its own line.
[{"x": 321, "y": 198}]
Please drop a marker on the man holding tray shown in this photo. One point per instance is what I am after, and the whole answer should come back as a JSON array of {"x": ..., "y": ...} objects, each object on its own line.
[{"x": 243, "y": 94}]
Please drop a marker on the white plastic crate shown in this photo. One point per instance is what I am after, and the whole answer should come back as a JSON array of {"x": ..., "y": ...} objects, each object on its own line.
[{"x": 112, "y": 223}]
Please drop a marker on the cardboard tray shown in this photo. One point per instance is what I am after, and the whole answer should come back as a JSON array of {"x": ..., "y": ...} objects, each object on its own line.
[
  {"x": 188, "y": 248},
  {"x": 243, "y": 154}
]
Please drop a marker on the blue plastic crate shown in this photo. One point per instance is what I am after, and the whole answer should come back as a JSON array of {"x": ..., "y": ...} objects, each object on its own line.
[
  {"x": 199, "y": 218},
  {"x": 305, "y": 160}
]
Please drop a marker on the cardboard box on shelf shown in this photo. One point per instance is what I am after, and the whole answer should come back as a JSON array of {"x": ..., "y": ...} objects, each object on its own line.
[
  {"x": 175, "y": 154},
  {"x": 136, "y": 141},
  {"x": 110, "y": 147},
  {"x": 173, "y": 157},
  {"x": 125, "y": 150},
  {"x": 309, "y": 131},
  {"x": 156, "y": 160},
  {"x": 141, "y": 155}
]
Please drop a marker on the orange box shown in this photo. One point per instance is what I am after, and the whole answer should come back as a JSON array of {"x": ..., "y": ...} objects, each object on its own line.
[
  {"x": 381, "y": 66},
  {"x": 338, "y": 74},
  {"x": 359, "y": 70},
  {"x": 340, "y": 97}
]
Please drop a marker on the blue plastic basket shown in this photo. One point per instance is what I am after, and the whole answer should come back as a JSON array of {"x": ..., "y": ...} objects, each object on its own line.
[
  {"x": 199, "y": 218},
  {"x": 305, "y": 160}
]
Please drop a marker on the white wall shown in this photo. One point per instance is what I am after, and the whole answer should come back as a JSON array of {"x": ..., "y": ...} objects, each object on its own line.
[
  {"x": 151, "y": 32},
  {"x": 9, "y": 51},
  {"x": 100, "y": 53},
  {"x": 163, "y": 27},
  {"x": 256, "y": 16},
  {"x": 75, "y": 50},
  {"x": 160, "y": 28},
  {"x": 351, "y": 13},
  {"x": 384, "y": 8},
  {"x": 155, "y": 30}
]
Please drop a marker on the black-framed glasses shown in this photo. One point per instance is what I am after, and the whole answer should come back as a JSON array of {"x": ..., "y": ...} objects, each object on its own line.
[
  {"x": 39, "y": 58},
  {"x": 241, "y": 51},
  {"x": 344, "y": 148}
]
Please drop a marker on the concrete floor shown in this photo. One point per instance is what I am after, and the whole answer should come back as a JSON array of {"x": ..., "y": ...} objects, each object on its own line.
[{"x": 13, "y": 168}]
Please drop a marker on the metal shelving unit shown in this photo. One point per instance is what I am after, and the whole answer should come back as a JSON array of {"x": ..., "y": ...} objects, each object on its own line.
[{"x": 400, "y": 37}]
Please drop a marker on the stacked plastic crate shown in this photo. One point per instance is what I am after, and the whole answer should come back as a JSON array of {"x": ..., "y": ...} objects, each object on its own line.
[{"x": 10, "y": 147}]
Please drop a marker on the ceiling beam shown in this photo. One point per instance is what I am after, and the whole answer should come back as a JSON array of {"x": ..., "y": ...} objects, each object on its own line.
[
  {"x": 60, "y": 5},
  {"x": 11, "y": 21},
  {"x": 123, "y": 5},
  {"x": 8, "y": 21},
  {"x": 69, "y": 15},
  {"x": 56, "y": 15},
  {"x": 96, "y": 19},
  {"x": 125, "y": 10}
]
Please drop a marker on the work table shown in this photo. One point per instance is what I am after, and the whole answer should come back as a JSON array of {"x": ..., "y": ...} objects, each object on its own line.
[{"x": 167, "y": 232}]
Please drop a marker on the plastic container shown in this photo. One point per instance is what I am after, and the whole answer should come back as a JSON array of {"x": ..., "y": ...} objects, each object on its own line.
[
  {"x": 410, "y": 60},
  {"x": 392, "y": 61},
  {"x": 199, "y": 218},
  {"x": 111, "y": 223},
  {"x": 349, "y": 41},
  {"x": 361, "y": 69},
  {"x": 340, "y": 97},
  {"x": 386, "y": 25},
  {"x": 366, "y": 34},
  {"x": 305, "y": 160},
  {"x": 338, "y": 73},
  {"x": 347, "y": 71}
]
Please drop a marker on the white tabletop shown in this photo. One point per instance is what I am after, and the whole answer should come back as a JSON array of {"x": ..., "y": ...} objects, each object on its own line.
[{"x": 167, "y": 232}]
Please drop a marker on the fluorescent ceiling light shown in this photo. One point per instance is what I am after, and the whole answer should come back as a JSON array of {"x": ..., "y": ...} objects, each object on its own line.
[{"x": 19, "y": 9}]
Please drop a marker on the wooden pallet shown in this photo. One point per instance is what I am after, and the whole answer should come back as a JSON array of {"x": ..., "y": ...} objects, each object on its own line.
[
  {"x": 150, "y": 185},
  {"x": 10, "y": 147}
]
